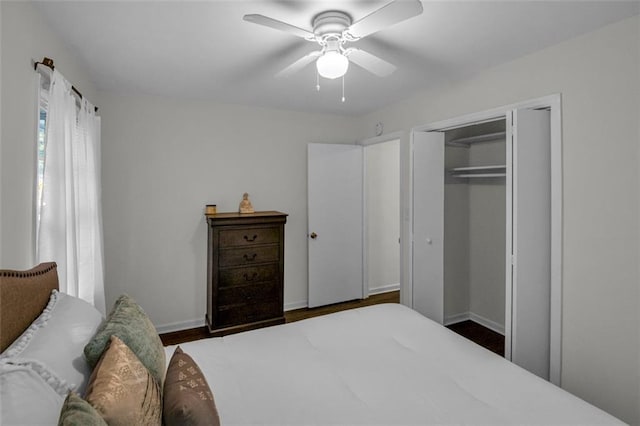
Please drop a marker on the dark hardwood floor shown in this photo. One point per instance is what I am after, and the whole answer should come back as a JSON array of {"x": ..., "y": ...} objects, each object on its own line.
[
  {"x": 177, "y": 337},
  {"x": 480, "y": 335},
  {"x": 304, "y": 313},
  {"x": 469, "y": 329}
]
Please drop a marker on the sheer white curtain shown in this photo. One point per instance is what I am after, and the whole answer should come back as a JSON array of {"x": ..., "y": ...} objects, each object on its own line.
[{"x": 69, "y": 231}]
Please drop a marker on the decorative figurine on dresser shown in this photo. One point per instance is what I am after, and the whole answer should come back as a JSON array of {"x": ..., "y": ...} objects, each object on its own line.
[
  {"x": 245, "y": 271},
  {"x": 245, "y": 204}
]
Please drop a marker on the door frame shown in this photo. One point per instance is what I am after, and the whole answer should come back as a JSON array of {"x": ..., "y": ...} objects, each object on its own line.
[
  {"x": 554, "y": 104},
  {"x": 399, "y": 135}
]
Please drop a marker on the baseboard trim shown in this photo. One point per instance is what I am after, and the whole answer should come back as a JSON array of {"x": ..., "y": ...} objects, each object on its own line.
[
  {"x": 485, "y": 322},
  {"x": 491, "y": 325},
  {"x": 180, "y": 326},
  {"x": 292, "y": 306},
  {"x": 454, "y": 319},
  {"x": 384, "y": 289}
]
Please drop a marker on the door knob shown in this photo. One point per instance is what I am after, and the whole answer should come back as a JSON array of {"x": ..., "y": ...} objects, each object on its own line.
[{"x": 313, "y": 235}]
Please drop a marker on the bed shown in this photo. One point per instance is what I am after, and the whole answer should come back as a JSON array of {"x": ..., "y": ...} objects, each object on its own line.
[{"x": 383, "y": 364}]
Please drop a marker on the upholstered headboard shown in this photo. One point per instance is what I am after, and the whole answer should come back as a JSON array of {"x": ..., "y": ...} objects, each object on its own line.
[{"x": 23, "y": 296}]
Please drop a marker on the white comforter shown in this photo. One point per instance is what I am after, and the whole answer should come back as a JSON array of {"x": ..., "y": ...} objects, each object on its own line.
[{"x": 384, "y": 364}]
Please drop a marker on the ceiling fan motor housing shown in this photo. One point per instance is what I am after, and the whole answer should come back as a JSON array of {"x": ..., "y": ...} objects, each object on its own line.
[{"x": 330, "y": 24}]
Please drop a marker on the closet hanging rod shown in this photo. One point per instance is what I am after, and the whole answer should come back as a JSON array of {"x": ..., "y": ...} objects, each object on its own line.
[
  {"x": 478, "y": 138},
  {"x": 48, "y": 62},
  {"x": 478, "y": 175}
]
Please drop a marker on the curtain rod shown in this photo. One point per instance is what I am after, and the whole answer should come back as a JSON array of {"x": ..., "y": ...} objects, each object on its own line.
[{"x": 48, "y": 62}]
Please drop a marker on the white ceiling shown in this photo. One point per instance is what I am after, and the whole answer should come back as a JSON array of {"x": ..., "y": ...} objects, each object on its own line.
[{"x": 204, "y": 50}]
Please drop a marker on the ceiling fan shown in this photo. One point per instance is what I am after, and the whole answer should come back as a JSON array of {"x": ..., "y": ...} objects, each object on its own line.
[{"x": 333, "y": 29}]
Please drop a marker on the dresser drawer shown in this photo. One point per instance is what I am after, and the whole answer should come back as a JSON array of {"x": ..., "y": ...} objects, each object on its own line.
[
  {"x": 249, "y": 236},
  {"x": 248, "y": 255},
  {"x": 252, "y": 293},
  {"x": 246, "y": 313},
  {"x": 248, "y": 274}
]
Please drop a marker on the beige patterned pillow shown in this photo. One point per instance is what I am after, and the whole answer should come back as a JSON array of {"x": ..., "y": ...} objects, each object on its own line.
[
  {"x": 122, "y": 390},
  {"x": 188, "y": 400}
]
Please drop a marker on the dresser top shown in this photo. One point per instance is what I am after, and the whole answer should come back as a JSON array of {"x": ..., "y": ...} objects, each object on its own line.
[
  {"x": 246, "y": 218},
  {"x": 236, "y": 215}
]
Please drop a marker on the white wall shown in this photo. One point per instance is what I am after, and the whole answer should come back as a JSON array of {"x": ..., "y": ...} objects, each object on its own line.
[
  {"x": 598, "y": 75},
  {"x": 164, "y": 159},
  {"x": 25, "y": 38},
  {"x": 382, "y": 189}
]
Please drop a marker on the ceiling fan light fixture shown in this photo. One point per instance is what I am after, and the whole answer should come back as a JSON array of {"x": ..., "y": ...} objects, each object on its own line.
[{"x": 332, "y": 64}]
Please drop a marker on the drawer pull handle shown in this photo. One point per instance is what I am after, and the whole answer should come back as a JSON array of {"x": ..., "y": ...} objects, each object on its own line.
[
  {"x": 250, "y": 278},
  {"x": 252, "y": 239},
  {"x": 250, "y": 258}
]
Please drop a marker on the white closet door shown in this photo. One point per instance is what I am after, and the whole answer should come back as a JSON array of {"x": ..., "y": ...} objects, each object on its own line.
[
  {"x": 531, "y": 241},
  {"x": 335, "y": 202},
  {"x": 428, "y": 224}
]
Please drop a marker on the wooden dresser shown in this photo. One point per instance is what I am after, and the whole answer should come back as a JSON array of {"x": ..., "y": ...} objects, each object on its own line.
[{"x": 245, "y": 271}]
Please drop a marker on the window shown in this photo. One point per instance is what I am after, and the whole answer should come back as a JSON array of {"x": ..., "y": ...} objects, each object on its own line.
[
  {"x": 67, "y": 196},
  {"x": 42, "y": 123},
  {"x": 40, "y": 155}
]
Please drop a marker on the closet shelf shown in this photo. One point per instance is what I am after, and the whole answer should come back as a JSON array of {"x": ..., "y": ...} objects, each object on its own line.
[
  {"x": 474, "y": 168},
  {"x": 470, "y": 172},
  {"x": 467, "y": 141}
]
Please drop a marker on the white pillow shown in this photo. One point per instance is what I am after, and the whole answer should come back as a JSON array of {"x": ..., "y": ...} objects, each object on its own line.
[
  {"x": 56, "y": 340},
  {"x": 26, "y": 398}
]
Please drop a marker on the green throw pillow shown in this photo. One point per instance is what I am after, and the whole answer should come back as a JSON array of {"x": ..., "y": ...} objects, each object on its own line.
[
  {"x": 78, "y": 412},
  {"x": 129, "y": 322}
]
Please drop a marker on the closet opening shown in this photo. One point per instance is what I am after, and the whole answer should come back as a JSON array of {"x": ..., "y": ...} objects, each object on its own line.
[
  {"x": 486, "y": 200},
  {"x": 475, "y": 207}
]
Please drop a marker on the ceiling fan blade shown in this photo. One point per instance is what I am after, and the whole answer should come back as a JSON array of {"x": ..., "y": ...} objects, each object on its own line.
[
  {"x": 370, "y": 62},
  {"x": 279, "y": 25},
  {"x": 299, "y": 64},
  {"x": 386, "y": 16}
]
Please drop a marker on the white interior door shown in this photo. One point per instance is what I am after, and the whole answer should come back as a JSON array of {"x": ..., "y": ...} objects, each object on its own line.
[
  {"x": 428, "y": 224},
  {"x": 530, "y": 299},
  {"x": 335, "y": 191}
]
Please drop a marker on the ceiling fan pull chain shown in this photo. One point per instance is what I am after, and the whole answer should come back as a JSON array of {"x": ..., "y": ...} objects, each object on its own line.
[
  {"x": 343, "y": 89},
  {"x": 317, "y": 81}
]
